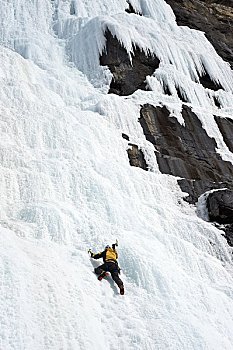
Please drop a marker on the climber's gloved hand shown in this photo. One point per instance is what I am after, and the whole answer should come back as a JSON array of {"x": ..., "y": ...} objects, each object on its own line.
[{"x": 90, "y": 252}]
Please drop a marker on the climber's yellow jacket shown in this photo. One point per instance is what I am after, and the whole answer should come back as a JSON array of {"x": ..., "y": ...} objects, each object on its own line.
[{"x": 108, "y": 255}]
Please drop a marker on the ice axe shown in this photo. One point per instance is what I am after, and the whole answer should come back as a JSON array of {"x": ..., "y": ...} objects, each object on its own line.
[
  {"x": 90, "y": 252},
  {"x": 115, "y": 244}
]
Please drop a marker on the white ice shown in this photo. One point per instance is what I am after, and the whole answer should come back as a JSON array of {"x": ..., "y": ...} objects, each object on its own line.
[{"x": 67, "y": 186}]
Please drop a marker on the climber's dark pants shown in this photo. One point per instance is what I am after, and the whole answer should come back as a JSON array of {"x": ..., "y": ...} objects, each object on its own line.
[{"x": 113, "y": 269}]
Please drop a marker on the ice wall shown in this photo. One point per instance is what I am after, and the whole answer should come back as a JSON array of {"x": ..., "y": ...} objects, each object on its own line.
[{"x": 66, "y": 186}]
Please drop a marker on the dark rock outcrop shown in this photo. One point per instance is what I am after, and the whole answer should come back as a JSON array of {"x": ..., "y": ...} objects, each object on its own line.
[
  {"x": 214, "y": 17},
  {"x": 220, "y": 206},
  {"x": 136, "y": 157},
  {"x": 226, "y": 127},
  {"x": 181, "y": 94},
  {"x": 216, "y": 101},
  {"x": 72, "y": 8},
  {"x": 208, "y": 83},
  {"x": 127, "y": 77},
  {"x": 126, "y": 137},
  {"x": 220, "y": 209},
  {"x": 130, "y": 9},
  {"x": 228, "y": 228},
  {"x": 185, "y": 150},
  {"x": 195, "y": 188}
]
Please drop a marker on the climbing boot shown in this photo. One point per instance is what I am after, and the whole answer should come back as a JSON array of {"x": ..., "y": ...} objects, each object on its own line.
[
  {"x": 122, "y": 291},
  {"x": 102, "y": 275}
]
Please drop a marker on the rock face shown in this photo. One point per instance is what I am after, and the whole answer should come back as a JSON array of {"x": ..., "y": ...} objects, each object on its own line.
[
  {"x": 127, "y": 77},
  {"x": 185, "y": 151},
  {"x": 208, "y": 83},
  {"x": 195, "y": 188},
  {"x": 130, "y": 9},
  {"x": 214, "y": 17},
  {"x": 136, "y": 157},
  {"x": 220, "y": 209},
  {"x": 188, "y": 152},
  {"x": 220, "y": 206},
  {"x": 226, "y": 127}
]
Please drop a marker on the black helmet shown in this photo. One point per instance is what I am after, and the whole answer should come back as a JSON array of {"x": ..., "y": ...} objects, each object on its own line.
[{"x": 107, "y": 246}]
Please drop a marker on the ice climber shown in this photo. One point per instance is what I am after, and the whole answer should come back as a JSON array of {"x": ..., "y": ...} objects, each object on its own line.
[{"x": 110, "y": 264}]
